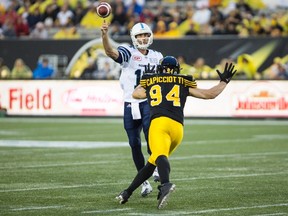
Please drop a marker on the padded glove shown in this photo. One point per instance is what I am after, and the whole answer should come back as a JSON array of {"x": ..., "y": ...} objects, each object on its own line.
[{"x": 228, "y": 72}]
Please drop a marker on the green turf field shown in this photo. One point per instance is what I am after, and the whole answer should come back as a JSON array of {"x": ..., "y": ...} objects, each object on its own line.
[{"x": 76, "y": 166}]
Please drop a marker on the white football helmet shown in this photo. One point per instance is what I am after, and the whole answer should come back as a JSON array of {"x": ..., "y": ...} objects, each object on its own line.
[{"x": 141, "y": 28}]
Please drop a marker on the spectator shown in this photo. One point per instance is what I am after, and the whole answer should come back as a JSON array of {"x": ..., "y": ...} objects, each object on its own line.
[
  {"x": 21, "y": 70},
  {"x": 134, "y": 6},
  {"x": 104, "y": 68},
  {"x": 8, "y": 29},
  {"x": 246, "y": 67},
  {"x": 67, "y": 33},
  {"x": 202, "y": 70},
  {"x": 119, "y": 13},
  {"x": 88, "y": 72},
  {"x": 219, "y": 28},
  {"x": 79, "y": 13},
  {"x": 116, "y": 30},
  {"x": 160, "y": 29},
  {"x": 34, "y": 17},
  {"x": 51, "y": 12},
  {"x": 43, "y": 70},
  {"x": 65, "y": 16},
  {"x": 39, "y": 32},
  {"x": 185, "y": 68},
  {"x": 242, "y": 6},
  {"x": 278, "y": 70},
  {"x": 73, "y": 33},
  {"x": 202, "y": 14},
  {"x": 146, "y": 14},
  {"x": 24, "y": 10},
  {"x": 1, "y": 34},
  {"x": 216, "y": 16},
  {"x": 4, "y": 70},
  {"x": 10, "y": 14},
  {"x": 173, "y": 31},
  {"x": 22, "y": 27},
  {"x": 192, "y": 29}
]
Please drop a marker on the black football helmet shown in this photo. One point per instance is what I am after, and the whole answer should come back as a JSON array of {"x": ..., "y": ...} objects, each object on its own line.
[{"x": 169, "y": 64}]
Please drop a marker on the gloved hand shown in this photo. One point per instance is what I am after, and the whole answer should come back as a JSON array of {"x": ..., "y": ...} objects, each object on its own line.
[{"x": 228, "y": 72}]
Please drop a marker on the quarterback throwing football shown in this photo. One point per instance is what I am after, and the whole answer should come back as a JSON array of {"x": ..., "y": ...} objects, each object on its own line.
[{"x": 134, "y": 60}]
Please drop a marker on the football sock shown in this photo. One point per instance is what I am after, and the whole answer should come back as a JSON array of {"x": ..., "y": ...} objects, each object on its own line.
[
  {"x": 138, "y": 157},
  {"x": 163, "y": 168},
  {"x": 145, "y": 173}
]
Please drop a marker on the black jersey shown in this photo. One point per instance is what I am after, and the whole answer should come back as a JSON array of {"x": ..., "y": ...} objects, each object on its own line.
[{"x": 167, "y": 93}]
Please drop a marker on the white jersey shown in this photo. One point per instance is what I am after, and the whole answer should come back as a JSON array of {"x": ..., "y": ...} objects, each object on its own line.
[{"x": 133, "y": 65}]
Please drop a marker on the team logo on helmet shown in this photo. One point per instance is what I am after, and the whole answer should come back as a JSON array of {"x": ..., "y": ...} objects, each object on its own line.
[{"x": 169, "y": 64}]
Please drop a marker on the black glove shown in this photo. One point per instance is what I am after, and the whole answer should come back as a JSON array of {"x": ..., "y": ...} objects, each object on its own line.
[
  {"x": 228, "y": 72},
  {"x": 149, "y": 69}
]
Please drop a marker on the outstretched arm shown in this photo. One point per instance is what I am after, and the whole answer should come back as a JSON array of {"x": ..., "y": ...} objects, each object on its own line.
[
  {"x": 213, "y": 92},
  {"x": 139, "y": 92},
  {"x": 207, "y": 93},
  {"x": 109, "y": 50}
]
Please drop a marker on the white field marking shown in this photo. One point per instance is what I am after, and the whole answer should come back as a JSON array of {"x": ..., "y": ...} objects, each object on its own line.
[
  {"x": 8, "y": 132},
  {"x": 106, "y": 211},
  {"x": 261, "y": 122},
  {"x": 273, "y": 214},
  {"x": 255, "y": 138},
  {"x": 101, "y": 144},
  {"x": 61, "y": 144},
  {"x": 239, "y": 169},
  {"x": 232, "y": 176},
  {"x": 228, "y": 155},
  {"x": 207, "y": 211},
  {"x": 59, "y": 165},
  {"x": 64, "y": 120},
  {"x": 124, "y": 182},
  {"x": 172, "y": 158},
  {"x": 61, "y": 187},
  {"x": 36, "y": 208}
]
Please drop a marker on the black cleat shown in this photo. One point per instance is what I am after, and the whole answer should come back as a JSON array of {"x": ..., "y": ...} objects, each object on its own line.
[
  {"x": 123, "y": 197},
  {"x": 164, "y": 192}
]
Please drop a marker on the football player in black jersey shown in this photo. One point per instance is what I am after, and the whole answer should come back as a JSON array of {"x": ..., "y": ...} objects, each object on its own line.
[{"x": 166, "y": 92}]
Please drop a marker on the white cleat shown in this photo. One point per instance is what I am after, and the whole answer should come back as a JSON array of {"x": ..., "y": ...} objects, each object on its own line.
[
  {"x": 156, "y": 176},
  {"x": 146, "y": 189}
]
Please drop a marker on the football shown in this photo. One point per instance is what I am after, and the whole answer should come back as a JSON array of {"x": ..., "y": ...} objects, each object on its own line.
[{"x": 103, "y": 9}]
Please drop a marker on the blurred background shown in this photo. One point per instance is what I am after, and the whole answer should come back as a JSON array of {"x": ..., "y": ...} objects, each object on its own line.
[{"x": 61, "y": 39}]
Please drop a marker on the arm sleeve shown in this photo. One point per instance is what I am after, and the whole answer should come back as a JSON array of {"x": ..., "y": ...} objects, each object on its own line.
[{"x": 124, "y": 55}]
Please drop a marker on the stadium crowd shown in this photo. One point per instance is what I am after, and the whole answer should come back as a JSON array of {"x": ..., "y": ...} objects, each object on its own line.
[
  {"x": 167, "y": 18},
  {"x": 75, "y": 19}
]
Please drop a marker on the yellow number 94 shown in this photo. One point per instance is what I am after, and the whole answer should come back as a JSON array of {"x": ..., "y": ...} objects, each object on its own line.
[{"x": 173, "y": 95}]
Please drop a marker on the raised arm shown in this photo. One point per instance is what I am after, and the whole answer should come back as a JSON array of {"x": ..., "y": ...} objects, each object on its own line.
[
  {"x": 213, "y": 92},
  {"x": 109, "y": 50}
]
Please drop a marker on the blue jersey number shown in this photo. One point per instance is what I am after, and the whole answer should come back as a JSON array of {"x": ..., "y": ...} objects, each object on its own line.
[{"x": 138, "y": 77}]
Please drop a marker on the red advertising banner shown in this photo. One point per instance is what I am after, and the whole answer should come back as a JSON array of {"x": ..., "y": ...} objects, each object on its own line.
[
  {"x": 72, "y": 98},
  {"x": 240, "y": 99}
]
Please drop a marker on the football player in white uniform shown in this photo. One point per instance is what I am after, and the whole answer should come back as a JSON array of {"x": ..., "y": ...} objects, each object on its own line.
[{"x": 134, "y": 60}]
